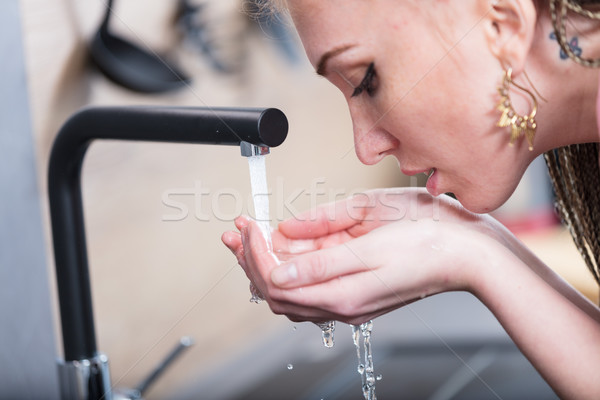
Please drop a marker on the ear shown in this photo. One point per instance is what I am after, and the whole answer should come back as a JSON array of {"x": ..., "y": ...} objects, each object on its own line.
[{"x": 510, "y": 30}]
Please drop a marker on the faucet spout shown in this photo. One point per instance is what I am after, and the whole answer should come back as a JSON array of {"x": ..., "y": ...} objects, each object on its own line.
[
  {"x": 251, "y": 150},
  {"x": 252, "y": 128}
]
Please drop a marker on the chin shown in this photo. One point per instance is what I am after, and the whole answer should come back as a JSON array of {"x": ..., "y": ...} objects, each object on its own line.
[{"x": 482, "y": 203}]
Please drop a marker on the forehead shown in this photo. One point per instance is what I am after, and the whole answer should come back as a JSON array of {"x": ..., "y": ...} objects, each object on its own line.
[{"x": 327, "y": 24}]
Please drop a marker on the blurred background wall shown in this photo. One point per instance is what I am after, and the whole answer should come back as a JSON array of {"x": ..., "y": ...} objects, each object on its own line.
[
  {"x": 27, "y": 345},
  {"x": 155, "y": 279}
]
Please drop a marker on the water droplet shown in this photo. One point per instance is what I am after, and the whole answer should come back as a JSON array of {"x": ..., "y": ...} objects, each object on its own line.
[
  {"x": 294, "y": 328},
  {"x": 327, "y": 339},
  {"x": 257, "y": 297},
  {"x": 361, "y": 368},
  {"x": 327, "y": 329},
  {"x": 290, "y": 366},
  {"x": 379, "y": 377},
  {"x": 370, "y": 380}
]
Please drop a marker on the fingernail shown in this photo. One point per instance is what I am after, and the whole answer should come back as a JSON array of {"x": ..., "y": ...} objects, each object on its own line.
[{"x": 284, "y": 274}]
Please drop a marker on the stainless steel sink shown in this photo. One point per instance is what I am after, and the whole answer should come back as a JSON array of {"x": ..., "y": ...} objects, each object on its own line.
[{"x": 445, "y": 347}]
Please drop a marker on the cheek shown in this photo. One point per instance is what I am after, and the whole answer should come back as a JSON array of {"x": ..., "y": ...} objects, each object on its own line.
[{"x": 442, "y": 109}]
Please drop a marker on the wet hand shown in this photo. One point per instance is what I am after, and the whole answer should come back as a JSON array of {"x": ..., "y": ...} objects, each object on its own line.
[{"x": 357, "y": 259}]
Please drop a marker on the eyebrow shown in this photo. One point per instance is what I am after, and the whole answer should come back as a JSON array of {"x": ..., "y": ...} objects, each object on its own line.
[{"x": 322, "y": 64}]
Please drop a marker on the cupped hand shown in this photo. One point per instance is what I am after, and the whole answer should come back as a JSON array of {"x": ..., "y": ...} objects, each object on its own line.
[{"x": 362, "y": 257}]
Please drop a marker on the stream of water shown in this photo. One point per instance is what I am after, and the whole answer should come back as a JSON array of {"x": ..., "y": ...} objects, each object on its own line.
[
  {"x": 365, "y": 366},
  {"x": 260, "y": 197},
  {"x": 260, "y": 194}
]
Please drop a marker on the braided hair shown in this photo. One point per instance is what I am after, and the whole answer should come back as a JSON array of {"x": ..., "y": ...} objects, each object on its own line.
[{"x": 574, "y": 169}]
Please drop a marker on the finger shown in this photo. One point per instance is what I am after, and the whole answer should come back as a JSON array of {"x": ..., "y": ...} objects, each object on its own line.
[
  {"x": 371, "y": 297},
  {"x": 301, "y": 312},
  {"x": 318, "y": 304},
  {"x": 257, "y": 247},
  {"x": 326, "y": 219},
  {"x": 259, "y": 260},
  {"x": 283, "y": 244},
  {"x": 286, "y": 247},
  {"x": 321, "y": 266},
  {"x": 232, "y": 240},
  {"x": 241, "y": 222},
  {"x": 299, "y": 246}
]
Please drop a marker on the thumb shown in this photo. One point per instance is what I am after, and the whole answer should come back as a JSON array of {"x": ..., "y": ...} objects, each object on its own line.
[{"x": 322, "y": 265}]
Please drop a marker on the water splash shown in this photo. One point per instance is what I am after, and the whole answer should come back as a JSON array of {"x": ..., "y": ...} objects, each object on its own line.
[
  {"x": 365, "y": 368},
  {"x": 327, "y": 329},
  {"x": 369, "y": 388},
  {"x": 290, "y": 366}
]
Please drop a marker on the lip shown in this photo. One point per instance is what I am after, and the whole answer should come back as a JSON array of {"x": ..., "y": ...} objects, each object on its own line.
[
  {"x": 432, "y": 183},
  {"x": 411, "y": 172}
]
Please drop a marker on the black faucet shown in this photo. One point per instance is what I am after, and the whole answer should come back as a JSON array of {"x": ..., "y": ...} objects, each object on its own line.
[{"x": 84, "y": 372}]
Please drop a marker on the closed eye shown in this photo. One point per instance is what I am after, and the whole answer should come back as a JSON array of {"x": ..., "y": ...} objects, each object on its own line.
[{"x": 368, "y": 84}]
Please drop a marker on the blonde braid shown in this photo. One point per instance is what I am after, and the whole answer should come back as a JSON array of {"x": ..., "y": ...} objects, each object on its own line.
[
  {"x": 576, "y": 177},
  {"x": 559, "y": 23},
  {"x": 574, "y": 170}
]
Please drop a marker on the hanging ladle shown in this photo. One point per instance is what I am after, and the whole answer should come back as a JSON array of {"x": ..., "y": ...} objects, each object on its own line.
[{"x": 131, "y": 66}]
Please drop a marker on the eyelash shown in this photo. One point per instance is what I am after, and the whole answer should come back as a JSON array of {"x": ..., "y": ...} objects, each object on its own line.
[{"x": 367, "y": 84}]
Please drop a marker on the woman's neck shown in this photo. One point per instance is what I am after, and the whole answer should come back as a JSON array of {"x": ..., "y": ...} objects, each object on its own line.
[{"x": 571, "y": 90}]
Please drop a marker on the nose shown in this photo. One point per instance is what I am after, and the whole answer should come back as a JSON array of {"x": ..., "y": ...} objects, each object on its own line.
[{"x": 371, "y": 141}]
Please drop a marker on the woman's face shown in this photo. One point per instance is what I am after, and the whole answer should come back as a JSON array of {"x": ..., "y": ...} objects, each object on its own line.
[{"x": 421, "y": 85}]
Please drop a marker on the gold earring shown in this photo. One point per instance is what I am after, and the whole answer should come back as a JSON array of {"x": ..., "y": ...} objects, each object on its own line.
[{"x": 519, "y": 124}]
